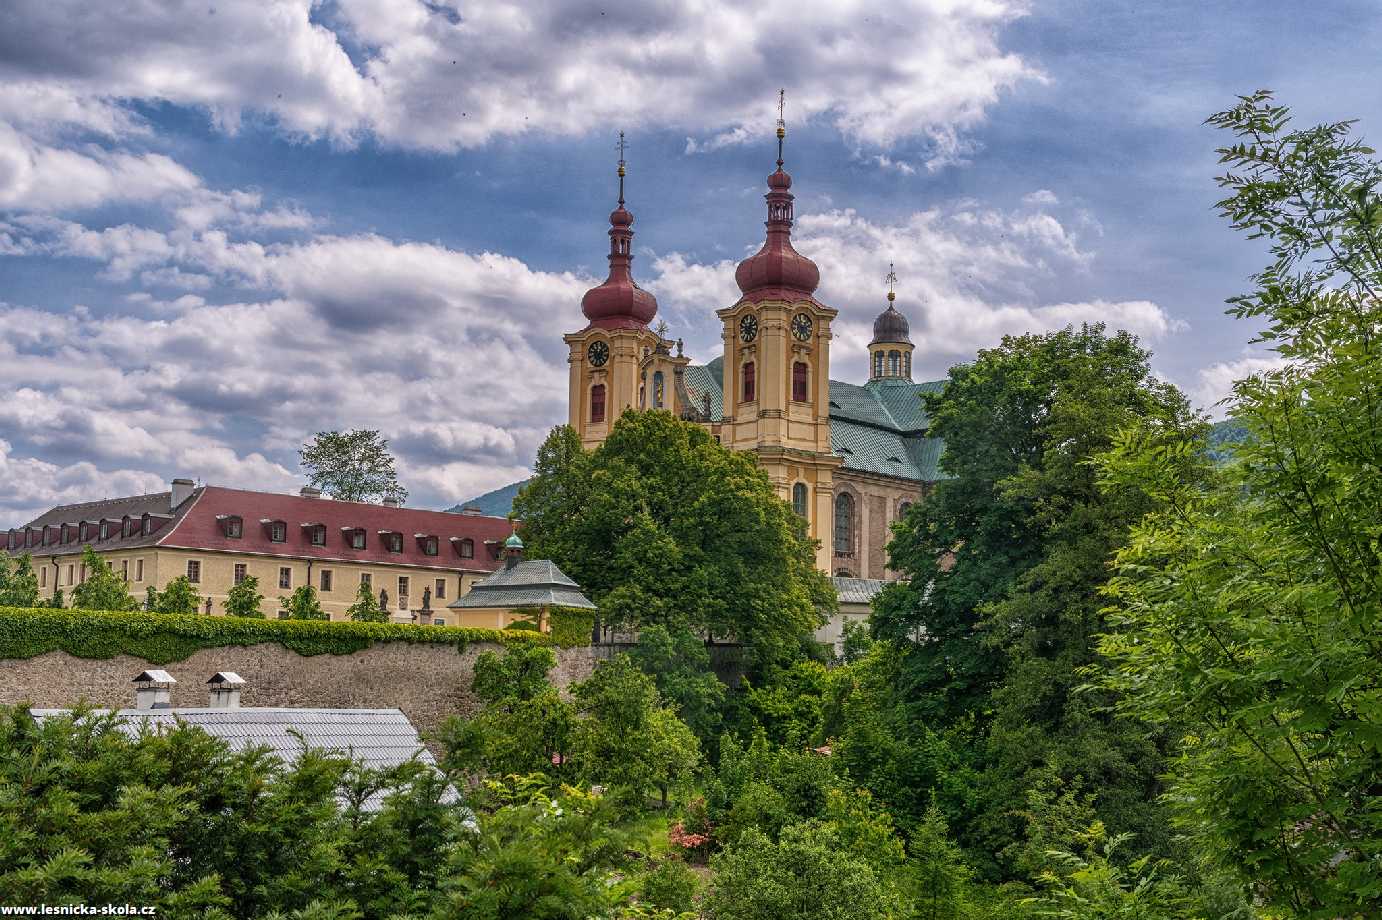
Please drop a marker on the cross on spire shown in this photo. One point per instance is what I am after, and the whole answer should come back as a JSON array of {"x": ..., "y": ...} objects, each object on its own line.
[
  {"x": 892, "y": 283},
  {"x": 781, "y": 122},
  {"x": 621, "y": 147}
]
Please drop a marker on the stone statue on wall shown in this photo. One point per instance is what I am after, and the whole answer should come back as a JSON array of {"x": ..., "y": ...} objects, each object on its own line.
[
  {"x": 383, "y": 600},
  {"x": 426, "y": 598}
]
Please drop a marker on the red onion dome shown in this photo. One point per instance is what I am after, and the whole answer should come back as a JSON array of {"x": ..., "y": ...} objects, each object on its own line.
[
  {"x": 619, "y": 303},
  {"x": 777, "y": 267}
]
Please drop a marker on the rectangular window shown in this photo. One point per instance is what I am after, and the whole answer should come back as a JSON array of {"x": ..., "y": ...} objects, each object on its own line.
[
  {"x": 799, "y": 381},
  {"x": 285, "y": 577},
  {"x": 429, "y": 546},
  {"x": 318, "y": 536},
  {"x": 194, "y": 571},
  {"x": 441, "y": 588},
  {"x": 235, "y": 528},
  {"x": 71, "y": 574},
  {"x": 278, "y": 531},
  {"x": 747, "y": 375},
  {"x": 394, "y": 542},
  {"x": 139, "y": 570},
  {"x": 241, "y": 572},
  {"x": 403, "y": 592},
  {"x": 326, "y": 580},
  {"x": 597, "y": 403},
  {"x": 357, "y": 539},
  {"x": 124, "y": 570},
  {"x": 43, "y": 577},
  {"x": 367, "y": 579}
]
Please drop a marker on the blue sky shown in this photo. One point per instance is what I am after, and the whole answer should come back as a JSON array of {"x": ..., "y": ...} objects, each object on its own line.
[{"x": 227, "y": 225}]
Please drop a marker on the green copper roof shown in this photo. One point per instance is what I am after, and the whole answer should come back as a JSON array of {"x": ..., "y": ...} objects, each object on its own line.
[
  {"x": 877, "y": 427},
  {"x": 513, "y": 542}
]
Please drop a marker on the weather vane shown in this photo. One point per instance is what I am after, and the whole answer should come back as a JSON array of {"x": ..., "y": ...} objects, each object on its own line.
[
  {"x": 781, "y": 122},
  {"x": 621, "y": 146},
  {"x": 892, "y": 283}
]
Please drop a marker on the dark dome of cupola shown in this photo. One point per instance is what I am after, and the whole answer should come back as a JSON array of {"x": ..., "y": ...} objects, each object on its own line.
[{"x": 891, "y": 326}]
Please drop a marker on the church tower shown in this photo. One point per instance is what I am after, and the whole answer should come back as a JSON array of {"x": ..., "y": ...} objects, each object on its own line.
[
  {"x": 777, "y": 366},
  {"x": 890, "y": 352},
  {"x": 616, "y": 361}
]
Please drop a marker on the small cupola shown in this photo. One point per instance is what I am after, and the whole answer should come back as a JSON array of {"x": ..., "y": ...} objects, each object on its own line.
[
  {"x": 513, "y": 550},
  {"x": 890, "y": 352}
]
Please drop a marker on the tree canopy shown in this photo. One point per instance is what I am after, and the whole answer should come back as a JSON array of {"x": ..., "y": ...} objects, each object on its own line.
[
  {"x": 661, "y": 525},
  {"x": 354, "y": 466}
]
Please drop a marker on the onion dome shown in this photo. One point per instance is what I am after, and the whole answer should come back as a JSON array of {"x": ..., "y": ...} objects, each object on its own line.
[
  {"x": 619, "y": 303},
  {"x": 891, "y": 326},
  {"x": 778, "y": 269},
  {"x": 513, "y": 542}
]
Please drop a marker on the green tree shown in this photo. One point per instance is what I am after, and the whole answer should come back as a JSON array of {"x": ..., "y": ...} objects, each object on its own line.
[
  {"x": 663, "y": 526},
  {"x": 102, "y": 589},
  {"x": 244, "y": 599},
  {"x": 366, "y": 608},
  {"x": 18, "y": 586},
  {"x": 302, "y": 604},
  {"x": 1248, "y": 612},
  {"x": 178, "y": 597},
  {"x": 57, "y": 602},
  {"x": 1005, "y": 561},
  {"x": 629, "y": 740},
  {"x": 806, "y": 875},
  {"x": 525, "y": 726},
  {"x": 353, "y": 466},
  {"x": 679, "y": 665}
]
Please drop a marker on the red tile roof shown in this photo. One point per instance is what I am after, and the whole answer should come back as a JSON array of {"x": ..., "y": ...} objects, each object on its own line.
[{"x": 198, "y": 524}]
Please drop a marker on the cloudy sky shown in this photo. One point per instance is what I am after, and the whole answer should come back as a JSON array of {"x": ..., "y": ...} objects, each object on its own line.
[{"x": 228, "y": 224}]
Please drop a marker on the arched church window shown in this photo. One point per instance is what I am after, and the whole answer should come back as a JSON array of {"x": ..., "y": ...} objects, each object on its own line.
[
  {"x": 799, "y": 377},
  {"x": 657, "y": 389},
  {"x": 748, "y": 382},
  {"x": 597, "y": 403},
  {"x": 844, "y": 523},
  {"x": 903, "y": 508},
  {"x": 878, "y": 364},
  {"x": 894, "y": 363},
  {"x": 799, "y": 498}
]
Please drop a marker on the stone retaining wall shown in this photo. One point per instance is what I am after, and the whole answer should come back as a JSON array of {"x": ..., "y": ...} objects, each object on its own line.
[{"x": 427, "y": 682}]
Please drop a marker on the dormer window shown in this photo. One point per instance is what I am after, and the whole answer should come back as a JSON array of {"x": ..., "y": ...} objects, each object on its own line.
[
  {"x": 105, "y": 530},
  {"x": 233, "y": 526},
  {"x": 125, "y": 526},
  {"x": 316, "y": 533},
  {"x": 428, "y": 544},
  {"x": 355, "y": 537},
  {"x": 393, "y": 541},
  {"x": 278, "y": 530},
  {"x": 146, "y": 524},
  {"x": 466, "y": 548}
]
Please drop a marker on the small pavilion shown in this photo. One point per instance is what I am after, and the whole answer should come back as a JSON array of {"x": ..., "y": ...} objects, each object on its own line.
[{"x": 521, "y": 590}]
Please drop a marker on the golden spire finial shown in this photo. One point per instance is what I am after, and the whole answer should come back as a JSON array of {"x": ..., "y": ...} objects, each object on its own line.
[
  {"x": 892, "y": 283},
  {"x": 621, "y": 146},
  {"x": 781, "y": 122}
]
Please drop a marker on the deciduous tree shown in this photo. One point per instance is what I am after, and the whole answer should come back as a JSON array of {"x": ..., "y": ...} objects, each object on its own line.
[
  {"x": 102, "y": 589},
  {"x": 661, "y": 525},
  {"x": 353, "y": 466},
  {"x": 18, "y": 585},
  {"x": 244, "y": 599}
]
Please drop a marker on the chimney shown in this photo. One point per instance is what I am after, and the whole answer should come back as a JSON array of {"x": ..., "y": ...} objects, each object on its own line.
[
  {"x": 310, "y": 492},
  {"x": 225, "y": 690},
  {"x": 390, "y": 502},
  {"x": 152, "y": 690},
  {"x": 182, "y": 491}
]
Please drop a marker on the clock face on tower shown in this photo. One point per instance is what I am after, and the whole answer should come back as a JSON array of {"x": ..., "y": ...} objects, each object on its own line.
[
  {"x": 801, "y": 327},
  {"x": 748, "y": 328},
  {"x": 598, "y": 353}
]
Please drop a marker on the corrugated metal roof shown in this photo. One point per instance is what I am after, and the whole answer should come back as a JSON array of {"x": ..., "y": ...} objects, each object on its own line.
[{"x": 380, "y": 738}]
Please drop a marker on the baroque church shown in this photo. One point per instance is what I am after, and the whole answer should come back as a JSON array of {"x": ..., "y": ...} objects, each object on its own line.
[{"x": 849, "y": 457}]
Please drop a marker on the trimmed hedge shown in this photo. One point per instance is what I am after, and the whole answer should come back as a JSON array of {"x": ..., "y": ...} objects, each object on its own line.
[{"x": 161, "y": 638}]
